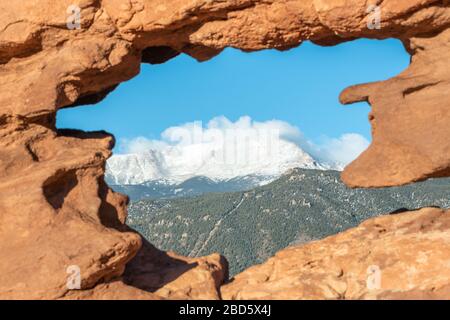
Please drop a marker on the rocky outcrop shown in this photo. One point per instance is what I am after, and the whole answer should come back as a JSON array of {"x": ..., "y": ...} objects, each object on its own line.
[
  {"x": 390, "y": 257},
  {"x": 409, "y": 117},
  {"x": 154, "y": 275},
  {"x": 56, "y": 210},
  {"x": 171, "y": 276}
]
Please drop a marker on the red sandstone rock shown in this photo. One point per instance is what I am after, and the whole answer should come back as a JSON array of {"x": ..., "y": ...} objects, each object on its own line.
[
  {"x": 56, "y": 210},
  {"x": 154, "y": 274},
  {"x": 410, "y": 120},
  {"x": 115, "y": 290},
  {"x": 171, "y": 276}
]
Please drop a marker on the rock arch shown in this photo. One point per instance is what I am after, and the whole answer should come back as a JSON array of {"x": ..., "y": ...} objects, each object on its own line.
[{"x": 44, "y": 66}]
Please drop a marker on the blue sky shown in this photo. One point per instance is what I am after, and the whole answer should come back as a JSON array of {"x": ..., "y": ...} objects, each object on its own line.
[{"x": 300, "y": 86}]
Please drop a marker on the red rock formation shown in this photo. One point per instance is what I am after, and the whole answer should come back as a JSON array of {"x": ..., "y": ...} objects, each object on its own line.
[
  {"x": 154, "y": 274},
  {"x": 172, "y": 276},
  {"x": 56, "y": 210},
  {"x": 410, "y": 119}
]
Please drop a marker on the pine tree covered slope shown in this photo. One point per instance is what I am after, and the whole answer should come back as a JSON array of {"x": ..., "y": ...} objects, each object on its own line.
[{"x": 248, "y": 227}]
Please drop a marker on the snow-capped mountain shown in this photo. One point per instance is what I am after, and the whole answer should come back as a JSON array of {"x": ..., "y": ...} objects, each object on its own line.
[
  {"x": 136, "y": 168},
  {"x": 176, "y": 165}
]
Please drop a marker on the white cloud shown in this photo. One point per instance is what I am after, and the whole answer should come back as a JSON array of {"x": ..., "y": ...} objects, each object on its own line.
[
  {"x": 217, "y": 128},
  {"x": 225, "y": 149},
  {"x": 342, "y": 150}
]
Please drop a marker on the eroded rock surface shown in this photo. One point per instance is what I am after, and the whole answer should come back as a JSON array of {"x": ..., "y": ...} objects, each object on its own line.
[
  {"x": 154, "y": 274},
  {"x": 396, "y": 256},
  {"x": 56, "y": 210},
  {"x": 171, "y": 276},
  {"x": 410, "y": 119}
]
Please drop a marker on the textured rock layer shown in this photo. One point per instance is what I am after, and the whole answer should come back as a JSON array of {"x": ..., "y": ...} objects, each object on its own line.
[{"x": 56, "y": 210}]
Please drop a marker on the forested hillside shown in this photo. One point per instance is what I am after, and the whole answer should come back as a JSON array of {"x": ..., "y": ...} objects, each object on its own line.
[{"x": 248, "y": 227}]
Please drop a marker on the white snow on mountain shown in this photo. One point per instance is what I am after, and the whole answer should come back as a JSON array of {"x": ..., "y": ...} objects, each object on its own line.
[{"x": 224, "y": 150}]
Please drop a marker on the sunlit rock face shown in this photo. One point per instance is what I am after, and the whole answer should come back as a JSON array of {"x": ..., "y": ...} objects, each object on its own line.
[{"x": 55, "y": 209}]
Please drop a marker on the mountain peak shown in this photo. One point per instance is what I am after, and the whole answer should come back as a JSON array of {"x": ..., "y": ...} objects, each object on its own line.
[{"x": 178, "y": 166}]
